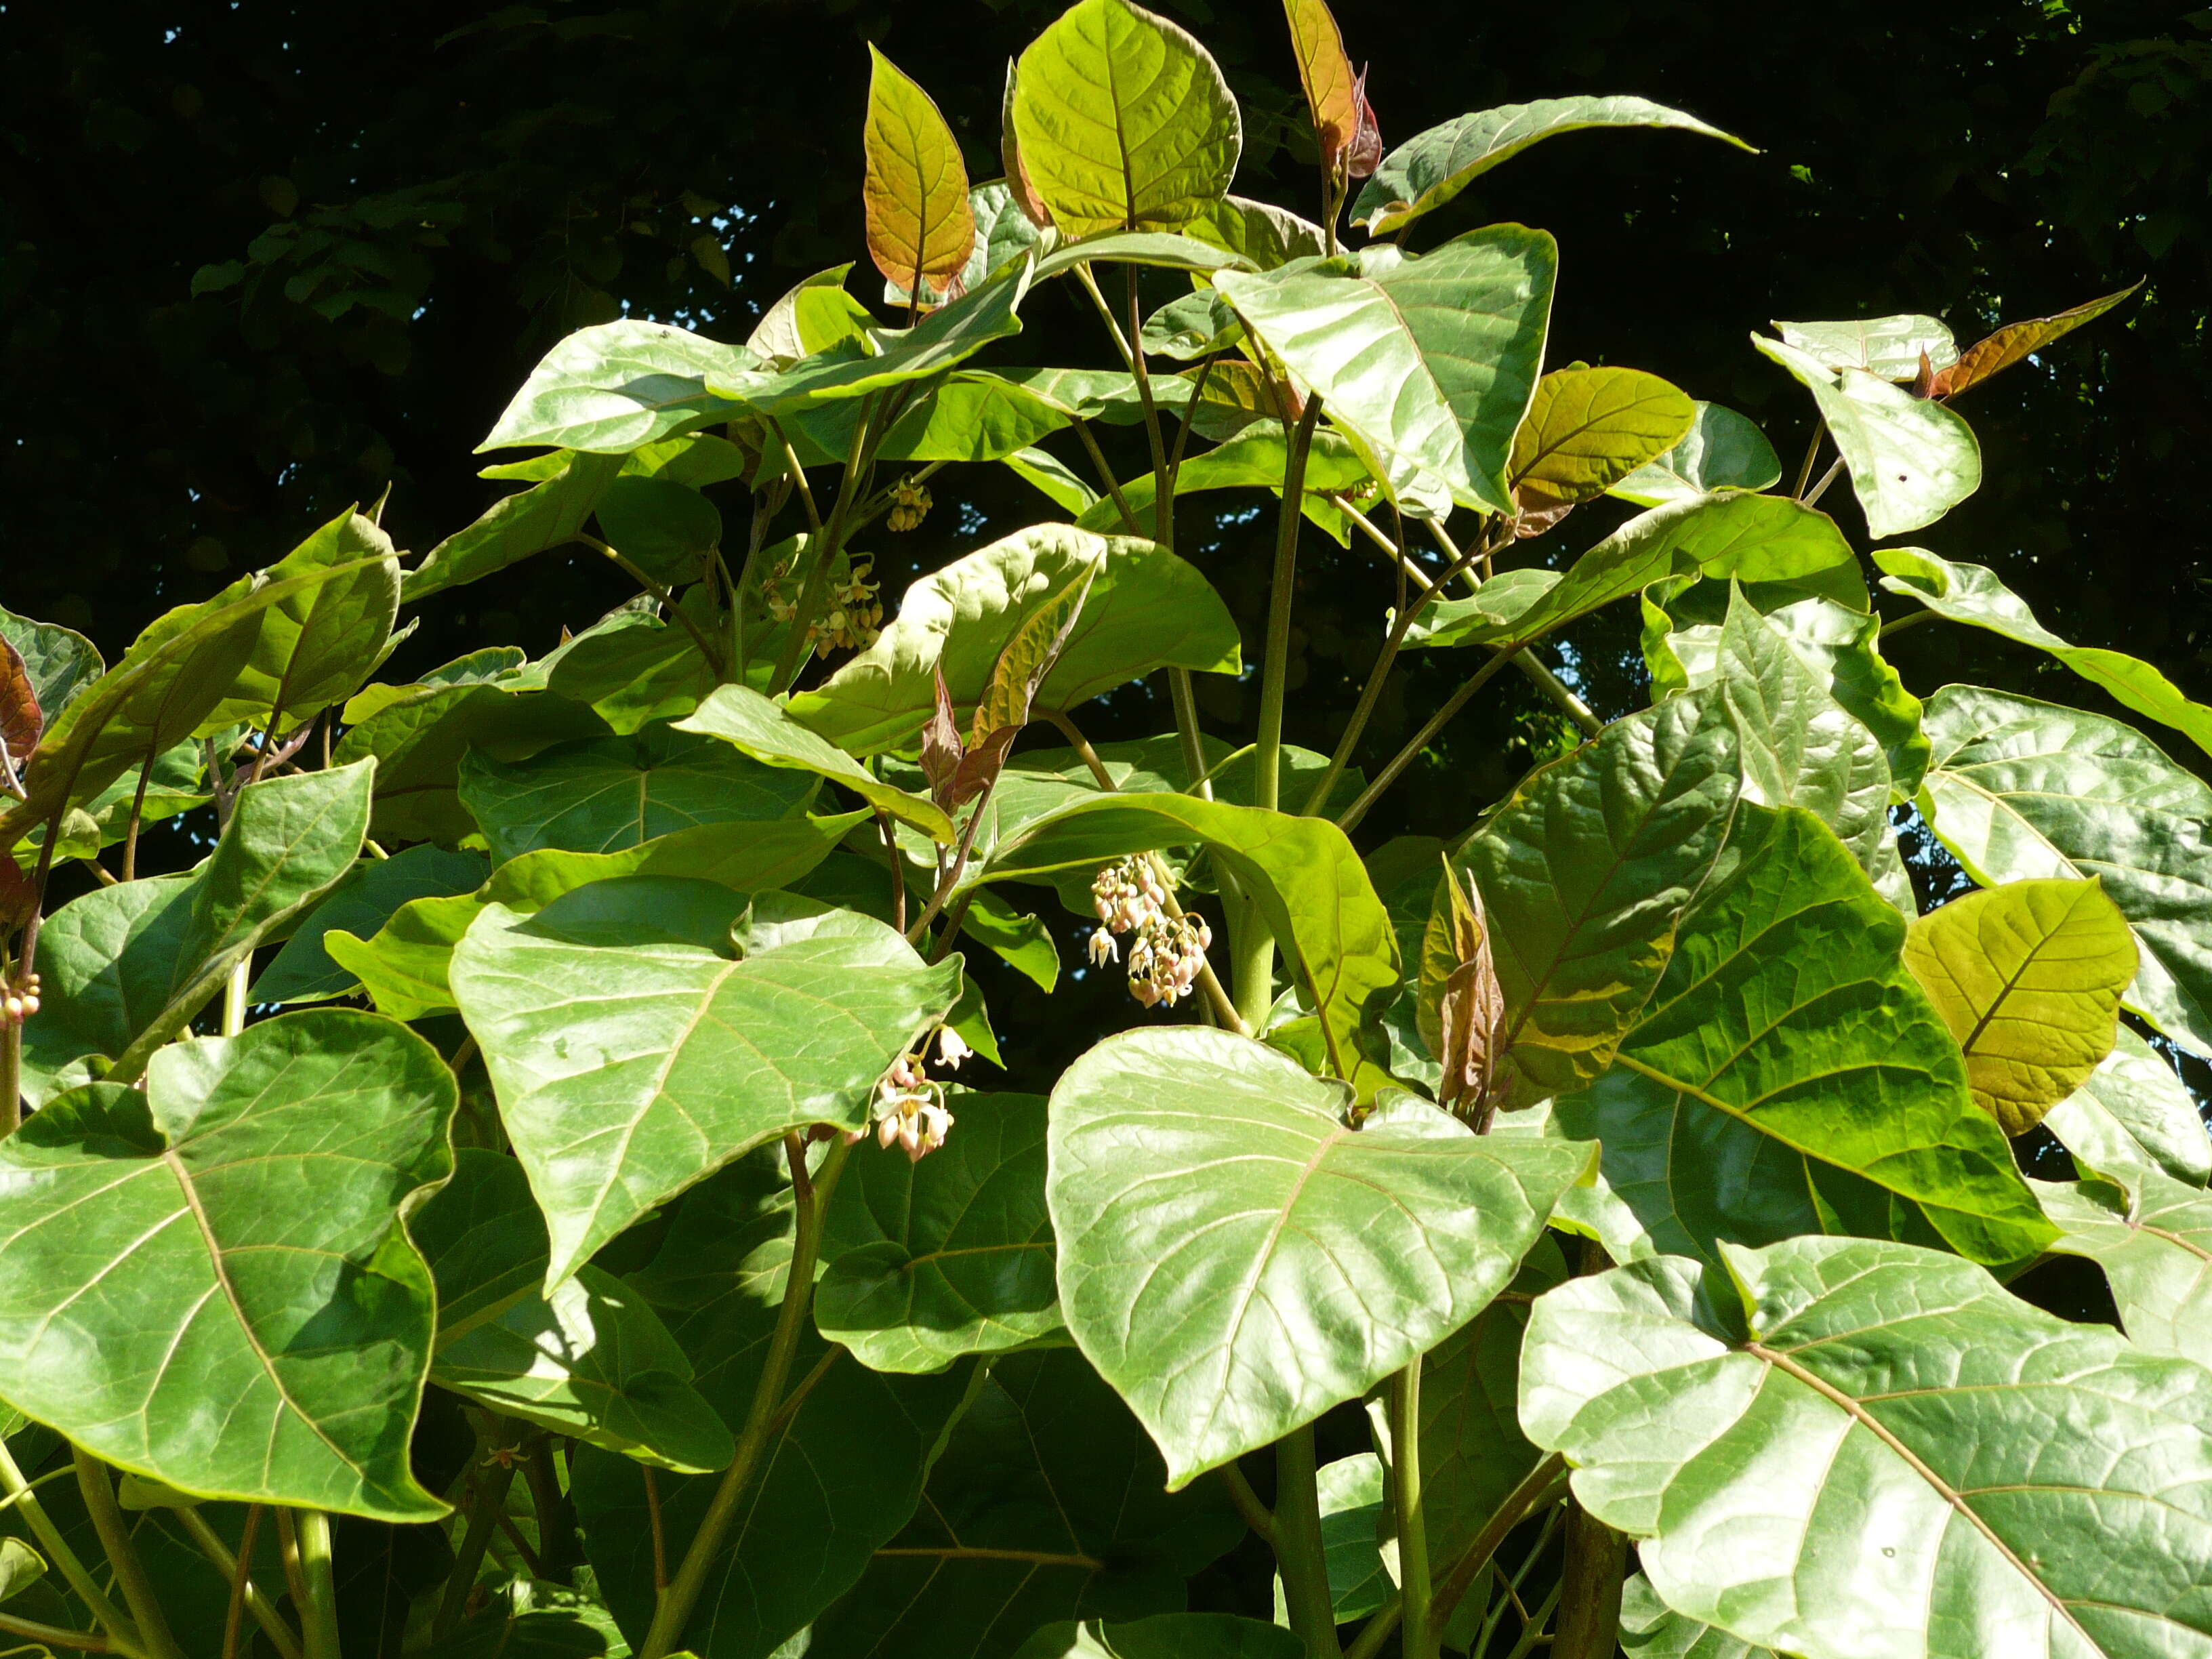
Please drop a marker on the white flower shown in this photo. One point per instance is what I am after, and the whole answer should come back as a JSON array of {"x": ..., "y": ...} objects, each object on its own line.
[{"x": 951, "y": 1048}]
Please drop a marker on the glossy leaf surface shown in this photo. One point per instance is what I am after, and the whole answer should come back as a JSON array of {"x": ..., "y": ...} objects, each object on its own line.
[
  {"x": 1722, "y": 450},
  {"x": 1427, "y": 171},
  {"x": 613, "y": 386},
  {"x": 760, "y": 728},
  {"x": 232, "y": 1234},
  {"x": 1235, "y": 1261},
  {"x": 2028, "y": 977},
  {"x": 1890, "y": 347},
  {"x": 1837, "y": 1446},
  {"x": 2133, "y": 1114},
  {"x": 1586, "y": 429},
  {"x": 2153, "y": 1236},
  {"x": 688, "y": 1058}
]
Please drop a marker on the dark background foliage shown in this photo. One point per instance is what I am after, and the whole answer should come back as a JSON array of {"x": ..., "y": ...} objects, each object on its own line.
[{"x": 260, "y": 260}]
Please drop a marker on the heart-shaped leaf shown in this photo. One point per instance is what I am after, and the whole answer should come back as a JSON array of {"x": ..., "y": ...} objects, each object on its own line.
[
  {"x": 632, "y": 1058},
  {"x": 1787, "y": 1035},
  {"x": 1234, "y": 1259},
  {"x": 2133, "y": 1114},
  {"x": 2021, "y": 790},
  {"x": 1123, "y": 121},
  {"x": 1429, "y": 169},
  {"x": 1427, "y": 362},
  {"x": 165, "y": 1231},
  {"x": 1971, "y": 593},
  {"x": 1891, "y": 347},
  {"x": 1910, "y": 460},
  {"x": 1837, "y": 1446},
  {"x": 949, "y": 1255},
  {"x": 1722, "y": 450},
  {"x": 2028, "y": 977}
]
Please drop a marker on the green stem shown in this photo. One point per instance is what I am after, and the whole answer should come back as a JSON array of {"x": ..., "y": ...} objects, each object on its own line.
[
  {"x": 675, "y": 1607},
  {"x": 319, "y": 1618},
  {"x": 138, "y": 814},
  {"x": 795, "y": 654},
  {"x": 1184, "y": 697},
  {"x": 1512, "y": 1586},
  {"x": 19, "y": 1490},
  {"x": 114, "y": 1533},
  {"x": 1912, "y": 619},
  {"x": 1589, "y": 1589},
  {"x": 239, "y": 1572},
  {"x": 667, "y": 601},
  {"x": 1257, "y": 1516},
  {"x": 1299, "y": 1546},
  {"x": 55, "y": 1636},
  {"x": 1812, "y": 455},
  {"x": 233, "y": 997},
  {"x": 1377, "y": 1630},
  {"x": 1106, "y": 477},
  {"x": 487, "y": 1497},
  {"x": 1276, "y": 668},
  {"x": 557, "y": 1544},
  {"x": 1518, "y": 1504},
  {"x": 1531, "y": 1634},
  {"x": 11, "y": 1074},
  {"x": 1251, "y": 963},
  {"x": 1162, "y": 478},
  {"x": 1422, "y": 1634},
  {"x": 1419, "y": 740}
]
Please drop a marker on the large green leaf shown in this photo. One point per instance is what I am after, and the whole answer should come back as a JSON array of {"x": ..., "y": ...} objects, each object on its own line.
[
  {"x": 813, "y": 314},
  {"x": 230, "y": 1238},
  {"x": 404, "y": 964},
  {"x": 2133, "y": 1114},
  {"x": 971, "y": 414},
  {"x": 760, "y": 728},
  {"x": 608, "y": 794},
  {"x": 665, "y": 528},
  {"x": 1801, "y": 748},
  {"x": 1838, "y": 1447},
  {"x": 920, "y": 228},
  {"x": 1259, "y": 233},
  {"x": 1146, "y": 609},
  {"x": 1123, "y": 121},
  {"x": 1911, "y": 460},
  {"x": 1167, "y": 1636},
  {"x": 1428, "y": 362},
  {"x": 2028, "y": 977},
  {"x": 1752, "y": 538},
  {"x": 2153, "y": 1236},
  {"x": 127, "y": 967},
  {"x": 317, "y": 646},
  {"x": 1586, "y": 429},
  {"x": 592, "y": 1361},
  {"x": 1235, "y": 1260},
  {"x": 2019, "y": 789},
  {"x": 1428, "y": 170},
  {"x": 1890, "y": 347},
  {"x": 1722, "y": 450},
  {"x": 157, "y": 696},
  {"x": 1650, "y": 1629},
  {"x": 1584, "y": 873},
  {"x": 1788, "y": 1075},
  {"x": 1046, "y": 1504},
  {"x": 363, "y": 900},
  {"x": 1302, "y": 872},
  {"x": 1252, "y": 459},
  {"x": 547, "y": 515},
  {"x": 949, "y": 1255},
  {"x": 615, "y": 386},
  {"x": 633, "y": 1057},
  {"x": 1825, "y": 621},
  {"x": 1971, "y": 593}
]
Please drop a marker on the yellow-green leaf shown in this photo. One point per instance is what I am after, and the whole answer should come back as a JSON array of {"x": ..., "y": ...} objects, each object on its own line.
[
  {"x": 2028, "y": 977},
  {"x": 1122, "y": 121},
  {"x": 1332, "y": 96},
  {"x": 1586, "y": 429},
  {"x": 921, "y": 228}
]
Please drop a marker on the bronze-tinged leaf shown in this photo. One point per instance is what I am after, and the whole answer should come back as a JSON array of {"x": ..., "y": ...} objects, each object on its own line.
[
  {"x": 1364, "y": 153},
  {"x": 921, "y": 227},
  {"x": 2017, "y": 340},
  {"x": 941, "y": 748},
  {"x": 1460, "y": 1007},
  {"x": 19, "y": 896},
  {"x": 1010, "y": 155},
  {"x": 1026, "y": 659},
  {"x": 21, "y": 720},
  {"x": 980, "y": 767},
  {"x": 1332, "y": 91}
]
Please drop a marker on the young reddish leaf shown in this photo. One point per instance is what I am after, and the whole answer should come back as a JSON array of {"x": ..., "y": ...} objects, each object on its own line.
[
  {"x": 2017, "y": 340},
  {"x": 980, "y": 767},
  {"x": 1026, "y": 659},
  {"x": 1332, "y": 92},
  {"x": 921, "y": 228},
  {"x": 1461, "y": 1007},
  {"x": 940, "y": 747},
  {"x": 20, "y": 719},
  {"x": 19, "y": 896},
  {"x": 1364, "y": 153},
  {"x": 1010, "y": 155}
]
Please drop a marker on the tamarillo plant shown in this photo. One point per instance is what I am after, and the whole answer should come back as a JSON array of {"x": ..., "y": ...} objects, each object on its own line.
[{"x": 516, "y": 1196}]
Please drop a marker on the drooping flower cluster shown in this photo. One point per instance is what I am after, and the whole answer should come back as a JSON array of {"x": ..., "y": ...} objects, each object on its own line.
[
  {"x": 20, "y": 1002},
  {"x": 853, "y": 616},
  {"x": 1168, "y": 952},
  {"x": 910, "y": 1103},
  {"x": 909, "y": 505}
]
